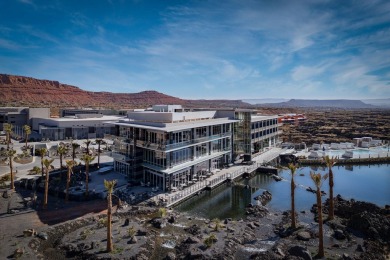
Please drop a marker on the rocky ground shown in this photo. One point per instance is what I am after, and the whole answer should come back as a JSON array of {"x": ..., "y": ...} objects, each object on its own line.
[
  {"x": 334, "y": 125},
  {"x": 78, "y": 231}
]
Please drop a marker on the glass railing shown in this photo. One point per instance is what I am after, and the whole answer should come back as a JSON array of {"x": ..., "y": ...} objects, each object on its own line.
[{"x": 181, "y": 144}]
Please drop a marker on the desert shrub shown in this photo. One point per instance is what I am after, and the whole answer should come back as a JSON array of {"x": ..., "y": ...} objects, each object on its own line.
[
  {"x": 102, "y": 222},
  {"x": 217, "y": 223},
  {"x": 162, "y": 212},
  {"x": 85, "y": 233},
  {"x": 6, "y": 177},
  {"x": 131, "y": 231},
  {"x": 117, "y": 250},
  {"x": 210, "y": 240}
]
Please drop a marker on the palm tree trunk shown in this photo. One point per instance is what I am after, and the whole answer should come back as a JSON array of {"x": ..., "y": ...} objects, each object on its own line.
[
  {"x": 321, "y": 252},
  {"x": 293, "y": 220},
  {"x": 46, "y": 194},
  {"x": 110, "y": 247},
  {"x": 8, "y": 140},
  {"x": 12, "y": 174},
  {"x": 67, "y": 186},
  {"x": 86, "y": 178},
  {"x": 42, "y": 166},
  {"x": 331, "y": 201},
  {"x": 98, "y": 156}
]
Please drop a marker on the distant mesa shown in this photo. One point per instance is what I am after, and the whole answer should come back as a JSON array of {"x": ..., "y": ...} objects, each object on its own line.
[{"x": 306, "y": 103}]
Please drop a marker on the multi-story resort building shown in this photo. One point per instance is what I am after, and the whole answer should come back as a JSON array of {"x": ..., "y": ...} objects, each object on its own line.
[{"x": 170, "y": 148}]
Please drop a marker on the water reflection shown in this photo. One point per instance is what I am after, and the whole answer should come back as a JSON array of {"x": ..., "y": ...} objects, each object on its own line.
[{"x": 361, "y": 182}]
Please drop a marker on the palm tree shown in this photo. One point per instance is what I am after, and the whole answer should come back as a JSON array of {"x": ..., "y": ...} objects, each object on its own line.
[
  {"x": 317, "y": 179},
  {"x": 87, "y": 143},
  {"x": 27, "y": 132},
  {"x": 74, "y": 147},
  {"x": 293, "y": 168},
  {"x": 99, "y": 142},
  {"x": 329, "y": 163},
  {"x": 8, "y": 131},
  {"x": 87, "y": 159},
  {"x": 42, "y": 152},
  {"x": 48, "y": 166},
  {"x": 11, "y": 154},
  {"x": 69, "y": 166},
  {"x": 109, "y": 185},
  {"x": 61, "y": 151}
]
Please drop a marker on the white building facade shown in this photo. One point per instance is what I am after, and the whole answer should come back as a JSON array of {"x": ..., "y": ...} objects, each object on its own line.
[{"x": 171, "y": 150}]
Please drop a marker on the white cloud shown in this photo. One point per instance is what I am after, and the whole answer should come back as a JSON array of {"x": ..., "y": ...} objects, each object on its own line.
[{"x": 303, "y": 72}]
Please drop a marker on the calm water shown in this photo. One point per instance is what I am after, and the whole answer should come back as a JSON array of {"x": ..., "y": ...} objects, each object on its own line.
[{"x": 367, "y": 183}]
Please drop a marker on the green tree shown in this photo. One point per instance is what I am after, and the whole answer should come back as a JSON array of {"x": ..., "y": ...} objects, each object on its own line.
[
  {"x": 48, "y": 166},
  {"x": 293, "y": 168},
  {"x": 330, "y": 162},
  {"x": 69, "y": 166},
  {"x": 8, "y": 131},
  {"x": 61, "y": 151},
  {"x": 11, "y": 155},
  {"x": 318, "y": 180},
  {"x": 42, "y": 152},
  {"x": 27, "y": 132},
  {"x": 99, "y": 142},
  {"x": 109, "y": 185},
  {"x": 87, "y": 159}
]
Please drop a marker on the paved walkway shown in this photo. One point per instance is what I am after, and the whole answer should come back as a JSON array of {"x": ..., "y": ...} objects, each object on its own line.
[
  {"x": 220, "y": 177},
  {"x": 23, "y": 169}
]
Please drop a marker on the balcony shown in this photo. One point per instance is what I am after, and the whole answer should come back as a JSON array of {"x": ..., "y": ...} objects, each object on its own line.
[{"x": 166, "y": 147}]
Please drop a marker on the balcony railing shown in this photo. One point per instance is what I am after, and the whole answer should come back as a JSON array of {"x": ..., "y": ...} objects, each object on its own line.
[{"x": 155, "y": 146}]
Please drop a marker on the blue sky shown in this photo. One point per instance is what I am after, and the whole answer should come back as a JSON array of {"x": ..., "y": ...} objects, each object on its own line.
[{"x": 231, "y": 49}]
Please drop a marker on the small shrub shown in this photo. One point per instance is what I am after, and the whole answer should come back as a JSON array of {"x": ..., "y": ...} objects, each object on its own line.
[
  {"x": 6, "y": 177},
  {"x": 131, "y": 231},
  {"x": 117, "y": 250},
  {"x": 217, "y": 223},
  {"x": 162, "y": 212},
  {"x": 85, "y": 233},
  {"x": 209, "y": 241},
  {"x": 102, "y": 222}
]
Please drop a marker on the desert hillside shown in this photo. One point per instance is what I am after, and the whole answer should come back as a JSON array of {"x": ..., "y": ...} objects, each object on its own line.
[{"x": 26, "y": 91}]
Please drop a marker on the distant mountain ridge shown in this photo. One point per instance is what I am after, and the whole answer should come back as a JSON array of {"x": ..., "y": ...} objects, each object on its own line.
[
  {"x": 338, "y": 103},
  {"x": 265, "y": 100},
  {"x": 384, "y": 102},
  {"x": 27, "y": 91}
]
